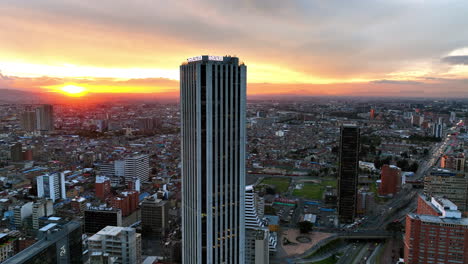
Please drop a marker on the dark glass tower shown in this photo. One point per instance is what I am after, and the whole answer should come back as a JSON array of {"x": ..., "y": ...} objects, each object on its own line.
[
  {"x": 348, "y": 173},
  {"x": 213, "y": 101}
]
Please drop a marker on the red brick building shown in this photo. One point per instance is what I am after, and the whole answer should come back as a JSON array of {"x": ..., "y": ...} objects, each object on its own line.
[
  {"x": 390, "y": 180},
  {"x": 439, "y": 235},
  {"x": 102, "y": 187},
  {"x": 127, "y": 202}
]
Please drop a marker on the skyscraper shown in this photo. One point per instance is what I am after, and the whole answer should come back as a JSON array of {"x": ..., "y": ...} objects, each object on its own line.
[
  {"x": 28, "y": 121},
  {"x": 348, "y": 173},
  {"x": 51, "y": 186},
  {"x": 213, "y": 100},
  {"x": 45, "y": 118}
]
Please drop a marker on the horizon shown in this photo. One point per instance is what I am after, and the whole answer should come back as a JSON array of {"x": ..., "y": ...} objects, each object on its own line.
[{"x": 295, "y": 48}]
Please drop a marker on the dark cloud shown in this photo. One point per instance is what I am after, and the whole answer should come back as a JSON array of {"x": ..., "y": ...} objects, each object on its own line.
[
  {"x": 407, "y": 82},
  {"x": 456, "y": 60}
]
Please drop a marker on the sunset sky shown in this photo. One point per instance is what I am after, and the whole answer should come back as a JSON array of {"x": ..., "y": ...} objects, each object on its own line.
[{"x": 307, "y": 47}]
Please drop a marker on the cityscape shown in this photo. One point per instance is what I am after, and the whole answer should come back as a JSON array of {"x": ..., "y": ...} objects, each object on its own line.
[{"x": 229, "y": 158}]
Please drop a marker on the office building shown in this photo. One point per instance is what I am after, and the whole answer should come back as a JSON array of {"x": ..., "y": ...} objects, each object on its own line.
[
  {"x": 61, "y": 244},
  {"x": 28, "y": 121},
  {"x": 45, "y": 118},
  {"x": 102, "y": 187},
  {"x": 96, "y": 218},
  {"x": 390, "y": 180},
  {"x": 51, "y": 186},
  {"x": 41, "y": 208},
  {"x": 451, "y": 185},
  {"x": 436, "y": 233},
  {"x": 454, "y": 161},
  {"x": 437, "y": 130},
  {"x": 453, "y": 117},
  {"x": 259, "y": 241},
  {"x": 122, "y": 243},
  {"x": 213, "y": 108},
  {"x": 20, "y": 212},
  {"x": 154, "y": 216},
  {"x": 127, "y": 202},
  {"x": 7, "y": 246},
  {"x": 348, "y": 173},
  {"x": 16, "y": 152},
  {"x": 133, "y": 167},
  {"x": 101, "y": 258}
]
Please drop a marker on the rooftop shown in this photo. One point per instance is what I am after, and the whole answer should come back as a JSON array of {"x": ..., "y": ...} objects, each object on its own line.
[{"x": 438, "y": 220}]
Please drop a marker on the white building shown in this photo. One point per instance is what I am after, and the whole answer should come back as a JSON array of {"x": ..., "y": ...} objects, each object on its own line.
[
  {"x": 133, "y": 167},
  {"x": 259, "y": 242},
  {"x": 41, "y": 208},
  {"x": 438, "y": 130},
  {"x": 122, "y": 243},
  {"x": 51, "y": 186},
  {"x": 20, "y": 212}
]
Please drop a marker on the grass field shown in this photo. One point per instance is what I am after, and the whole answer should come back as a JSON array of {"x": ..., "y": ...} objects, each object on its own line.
[
  {"x": 281, "y": 184},
  {"x": 314, "y": 191}
]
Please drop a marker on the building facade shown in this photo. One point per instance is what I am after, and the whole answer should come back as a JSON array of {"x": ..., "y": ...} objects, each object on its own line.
[
  {"x": 213, "y": 103},
  {"x": 452, "y": 186},
  {"x": 51, "y": 186},
  {"x": 45, "y": 118},
  {"x": 61, "y": 244},
  {"x": 348, "y": 173},
  {"x": 390, "y": 180},
  {"x": 122, "y": 243},
  {"x": 96, "y": 218},
  {"x": 154, "y": 216},
  {"x": 436, "y": 233}
]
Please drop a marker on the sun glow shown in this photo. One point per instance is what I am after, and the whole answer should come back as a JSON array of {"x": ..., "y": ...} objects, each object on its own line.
[{"x": 73, "y": 90}]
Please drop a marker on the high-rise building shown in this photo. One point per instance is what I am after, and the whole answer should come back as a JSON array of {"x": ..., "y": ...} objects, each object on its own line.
[
  {"x": 28, "y": 121},
  {"x": 102, "y": 187},
  {"x": 41, "y": 208},
  {"x": 454, "y": 161},
  {"x": 57, "y": 244},
  {"x": 450, "y": 185},
  {"x": 154, "y": 216},
  {"x": 453, "y": 117},
  {"x": 45, "y": 118},
  {"x": 213, "y": 102},
  {"x": 20, "y": 212},
  {"x": 436, "y": 233},
  {"x": 390, "y": 180},
  {"x": 437, "y": 130},
  {"x": 372, "y": 114},
  {"x": 16, "y": 152},
  {"x": 348, "y": 173},
  {"x": 123, "y": 243},
  {"x": 51, "y": 186},
  {"x": 133, "y": 167},
  {"x": 96, "y": 218},
  {"x": 259, "y": 241}
]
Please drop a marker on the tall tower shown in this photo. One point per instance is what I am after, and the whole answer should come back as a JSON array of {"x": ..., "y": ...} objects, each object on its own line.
[
  {"x": 213, "y": 102},
  {"x": 45, "y": 118},
  {"x": 348, "y": 173}
]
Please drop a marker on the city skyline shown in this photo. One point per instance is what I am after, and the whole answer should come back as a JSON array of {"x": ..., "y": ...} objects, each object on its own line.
[{"x": 299, "y": 48}]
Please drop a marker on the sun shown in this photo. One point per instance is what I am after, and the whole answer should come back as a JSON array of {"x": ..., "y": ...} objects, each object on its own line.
[{"x": 73, "y": 90}]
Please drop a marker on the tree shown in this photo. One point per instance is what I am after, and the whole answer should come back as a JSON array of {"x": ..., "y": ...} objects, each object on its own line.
[
  {"x": 305, "y": 226},
  {"x": 426, "y": 152},
  {"x": 403, "y": 164},
  {"x": 414, "y": 167}
]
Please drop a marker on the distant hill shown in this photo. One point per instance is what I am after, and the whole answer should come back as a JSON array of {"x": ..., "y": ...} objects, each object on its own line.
[{"x": 20, "y": 96}]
